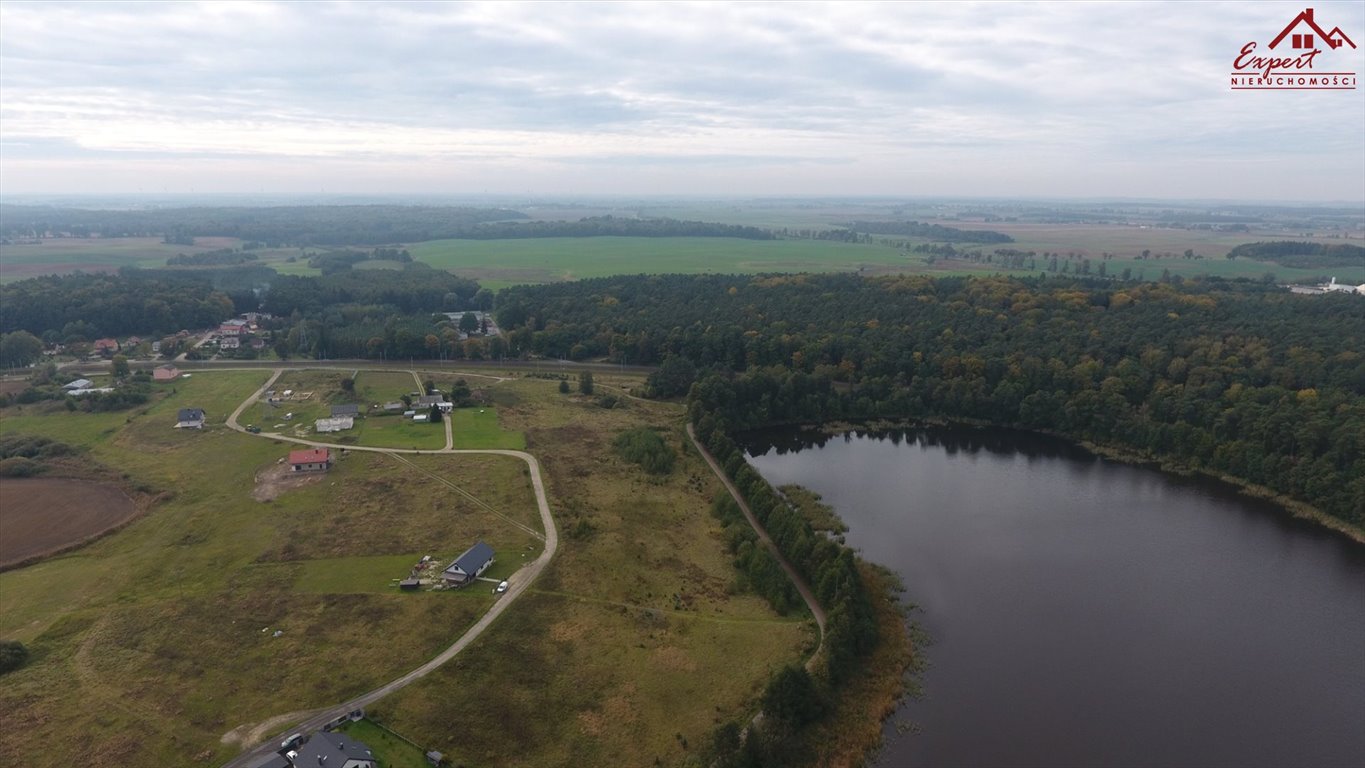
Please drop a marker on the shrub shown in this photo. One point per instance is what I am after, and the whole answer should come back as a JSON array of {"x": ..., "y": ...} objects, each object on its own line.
[
  {"x": 643, "y": 446},
  {"x": 13, "y": 655}
]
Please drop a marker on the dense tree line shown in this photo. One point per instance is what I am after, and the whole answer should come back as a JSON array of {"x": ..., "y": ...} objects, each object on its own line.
[
  {"x": 222, "y": 257},
  {"x": 341, "y": 225},
  {"x": 1301, "y": 254},
  {"x": 274, "y": 226},
  {"x": 602, "y": 226},
  {"x": 338, "y": 261},
  {"x": 87, "y": 307},
  {"x": 936, "y": 232},
  {"x": 1232, "y": 377}
]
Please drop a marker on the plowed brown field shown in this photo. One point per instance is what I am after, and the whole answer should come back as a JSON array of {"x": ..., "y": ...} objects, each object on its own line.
[{"x": 42, "y": 515}]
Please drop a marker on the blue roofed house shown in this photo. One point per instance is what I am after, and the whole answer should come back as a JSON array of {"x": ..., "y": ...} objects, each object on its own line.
[{"x": 468, "y": 566}]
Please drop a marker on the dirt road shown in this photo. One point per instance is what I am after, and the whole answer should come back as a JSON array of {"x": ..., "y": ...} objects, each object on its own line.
[{"x": 518, "y": 583}]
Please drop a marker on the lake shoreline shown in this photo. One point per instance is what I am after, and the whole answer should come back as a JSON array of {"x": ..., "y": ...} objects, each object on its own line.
[{"x": 1291, "y": 506}]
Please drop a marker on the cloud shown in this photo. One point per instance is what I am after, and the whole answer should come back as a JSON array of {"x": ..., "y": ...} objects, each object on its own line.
[{"x": 842, "y": 98}]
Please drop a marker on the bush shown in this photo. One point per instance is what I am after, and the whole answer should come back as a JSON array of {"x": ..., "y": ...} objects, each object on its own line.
[
  {"x": 643, "y": 446},
  {"x": 13, "y": 655},
  {"x": 18, "y": 466}
]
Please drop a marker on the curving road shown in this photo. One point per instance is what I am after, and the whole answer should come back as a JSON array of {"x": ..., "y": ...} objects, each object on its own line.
[{"x": 518, "y": 583}]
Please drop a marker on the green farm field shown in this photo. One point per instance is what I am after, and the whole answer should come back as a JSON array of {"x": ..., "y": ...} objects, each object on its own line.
[
  {"x": 500, "y": 263},
  {"x": 157, "y": 644},
  {"x": 65, "y": 255}
]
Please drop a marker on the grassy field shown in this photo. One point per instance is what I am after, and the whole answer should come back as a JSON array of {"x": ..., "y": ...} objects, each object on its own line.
[
  {"x": 499, "y": 263},
  {"x": 151, "y": 645},
  {"x": 634, "y": 639},
  {"x": 389, "y": 750},
  {"x": 480, "y": 428}
]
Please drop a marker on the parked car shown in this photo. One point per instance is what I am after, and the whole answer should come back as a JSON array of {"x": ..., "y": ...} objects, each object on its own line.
[
  {"x": 502, "y": 587},
  {"x": 291, "y": 743},
  {"x": 253, "y": 429}
]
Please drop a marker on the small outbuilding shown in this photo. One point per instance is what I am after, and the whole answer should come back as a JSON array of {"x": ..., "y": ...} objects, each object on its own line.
[
  {"x": 311, "y": 460},
  {"x": 408, "y": 585},
  {"x": 78, "y": 384},
  {"x": 469, "y": 565}
]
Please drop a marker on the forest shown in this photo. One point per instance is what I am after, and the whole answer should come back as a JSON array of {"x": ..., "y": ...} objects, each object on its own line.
[
  {"x": 935, "y": 232},
  {"x": 1302, "y": 254},
  {"x": 338, "y": 225},
  {"x": 1232, "y": 377},
  {"x": 272, "y": 226}
]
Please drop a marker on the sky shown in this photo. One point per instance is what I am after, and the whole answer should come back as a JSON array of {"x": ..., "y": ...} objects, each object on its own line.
[{"x": 907, "y": 99}]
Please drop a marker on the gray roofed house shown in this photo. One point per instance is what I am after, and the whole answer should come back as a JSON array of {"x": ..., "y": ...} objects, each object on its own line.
[
  {"x": 469, "y": 565},
  {"x": 349, "y": 409},
  {"x": 333, "y": 750},
  {"x": 427, "y": 401},
  {"x": 190, "y": 418}
]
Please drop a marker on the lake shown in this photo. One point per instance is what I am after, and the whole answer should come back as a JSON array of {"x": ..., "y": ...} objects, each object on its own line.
[{"x": 1085, "y": 612}]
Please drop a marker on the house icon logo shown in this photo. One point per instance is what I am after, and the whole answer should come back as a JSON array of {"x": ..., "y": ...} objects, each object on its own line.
[
  {"x": 1301, "y": 34},
  {"x": 1302, "y": 57}
]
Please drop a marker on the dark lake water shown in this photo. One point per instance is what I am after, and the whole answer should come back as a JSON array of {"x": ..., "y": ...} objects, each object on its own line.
[{"x": 1085, "y": 612}]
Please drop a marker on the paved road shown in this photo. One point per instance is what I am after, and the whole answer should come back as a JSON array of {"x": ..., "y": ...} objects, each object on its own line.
[
  {"x": 517, "y": 584},
  {"x": 801, "y": 586}
]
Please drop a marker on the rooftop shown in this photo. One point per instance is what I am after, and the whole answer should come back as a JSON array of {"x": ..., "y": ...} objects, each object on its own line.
[{"x": 311, "y": 456}]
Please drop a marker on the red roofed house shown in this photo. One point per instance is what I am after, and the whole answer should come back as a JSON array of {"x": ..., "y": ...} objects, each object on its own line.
[
  {"x": 165, "y": 373},
  {"x": 1304, "y": 40},
  {"x": 106, "y": 346},
  {"x": 312, "y": 460}
]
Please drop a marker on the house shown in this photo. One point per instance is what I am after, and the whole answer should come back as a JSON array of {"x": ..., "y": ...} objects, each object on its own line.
[
  {"x": 311, "y": 460},
  {"x": 133, "y": 341},
  {"x": 258, "y": 343},
  {"x": 1302, "y": 39},
  {"x": 231, "y": 328},
  {"x": 469, "y": 565},
  {"x": 106, "y": 346},
  {"x": 334, "y": 424},
  {"x": 333, "y": 750},
  {"x": 230, "y": 342},
  {"x": 426, "y": 401},
  {"x": 156, "y": 347},
  {"x": 190, "y": 418},
  {"x": 77, "y": 384},
  {"x": 348, "y": 409},
  {"x": 165, "y": 373}
]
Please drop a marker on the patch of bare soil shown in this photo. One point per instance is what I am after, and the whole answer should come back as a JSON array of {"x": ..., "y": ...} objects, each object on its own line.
[
  {"x": 249, "y": 735},
  {"x": 43, "y": 515},
  {"x": 279, "y": 478}
]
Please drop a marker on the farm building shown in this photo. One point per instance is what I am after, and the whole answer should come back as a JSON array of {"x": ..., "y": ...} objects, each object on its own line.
[
  {"x": 311, "y": 460},
  {"x": 468, "y": 566},
  {"x": 333, "y": 750},
  {"x": 349, "y": 409},
  {"x": 334, "y": 425},
  {"x": 190, "y": 418},
  {"x": 394, "y": 406},
  {"x": 426, "y": 401},
  {"x": 78, "y": 384},
  {"x": 421, "y": 418},
  {"x": 165, "y": 373}
]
